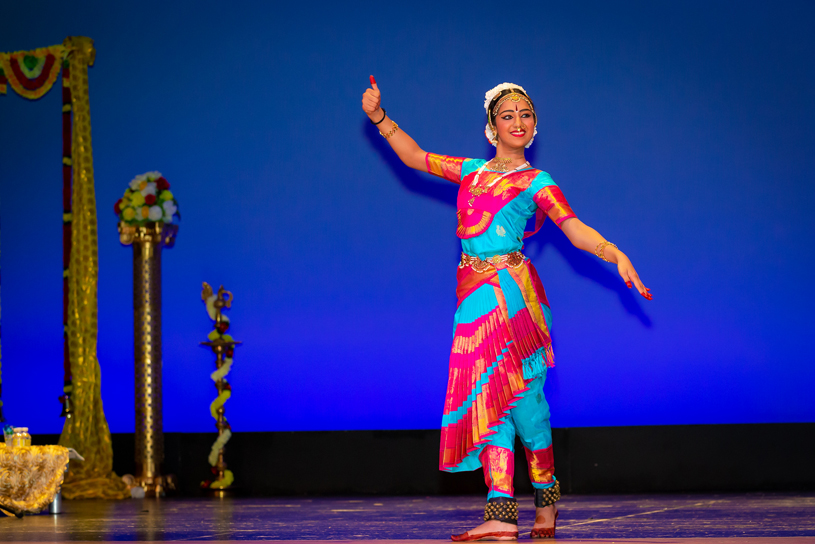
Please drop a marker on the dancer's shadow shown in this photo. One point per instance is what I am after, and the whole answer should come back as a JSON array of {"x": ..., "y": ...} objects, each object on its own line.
[
  {"x": 587, "y": 266},
  {"x": 581, "y": 262},
  {"x": 443, "y": 191}
]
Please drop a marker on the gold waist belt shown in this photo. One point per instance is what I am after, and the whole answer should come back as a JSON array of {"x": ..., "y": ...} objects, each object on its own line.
[{"x": 514, "y": 259}]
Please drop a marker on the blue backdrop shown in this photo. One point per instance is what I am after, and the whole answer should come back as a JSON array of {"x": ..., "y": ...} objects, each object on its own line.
[{"x": 681, "y": 131}]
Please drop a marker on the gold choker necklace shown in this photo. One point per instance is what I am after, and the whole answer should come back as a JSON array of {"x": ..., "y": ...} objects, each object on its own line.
[
  {"x": 477, "y": 190},
  {"x": 500, "y": 164}
]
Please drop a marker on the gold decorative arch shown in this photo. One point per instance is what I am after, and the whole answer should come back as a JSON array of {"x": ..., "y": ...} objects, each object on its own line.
[{"x": 31, "y": 74}]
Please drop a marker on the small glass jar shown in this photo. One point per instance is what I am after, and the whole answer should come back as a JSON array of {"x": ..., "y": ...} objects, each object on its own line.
[{"x": 21, "y": 437}]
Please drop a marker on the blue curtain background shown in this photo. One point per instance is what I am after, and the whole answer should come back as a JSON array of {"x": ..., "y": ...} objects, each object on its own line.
[{"x": 683, "y": 132}]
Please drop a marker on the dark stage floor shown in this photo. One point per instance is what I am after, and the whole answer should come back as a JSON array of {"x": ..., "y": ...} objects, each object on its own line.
[{"x": 778, "y": 517}]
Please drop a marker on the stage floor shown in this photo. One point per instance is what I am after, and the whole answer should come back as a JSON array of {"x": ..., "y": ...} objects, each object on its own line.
[{"x": 778, "y": 517}]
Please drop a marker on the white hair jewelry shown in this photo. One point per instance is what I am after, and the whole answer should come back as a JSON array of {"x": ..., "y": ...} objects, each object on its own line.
[{"x": 488, "y": 97}]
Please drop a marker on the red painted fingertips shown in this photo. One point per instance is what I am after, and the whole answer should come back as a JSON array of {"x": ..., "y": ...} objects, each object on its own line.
[{"x": 373, "y": 81}]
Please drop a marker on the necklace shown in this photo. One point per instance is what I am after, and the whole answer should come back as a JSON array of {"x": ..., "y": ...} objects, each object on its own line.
[
  {"x": 500, "y": 164},
  {"x": 475, "y": 190}
]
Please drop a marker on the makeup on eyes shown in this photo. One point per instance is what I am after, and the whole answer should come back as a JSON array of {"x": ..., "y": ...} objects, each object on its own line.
[
  {"x": 524, "y": 116},
  {"x": 513, "y": 111}
]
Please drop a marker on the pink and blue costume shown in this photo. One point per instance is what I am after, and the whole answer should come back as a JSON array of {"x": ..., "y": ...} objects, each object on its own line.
[{"x": 501, "y": 343}]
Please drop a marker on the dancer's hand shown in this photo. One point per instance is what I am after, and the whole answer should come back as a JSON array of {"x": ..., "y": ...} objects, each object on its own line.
[
  {"x": 371, "y": 100},
  {"x": 630, "y": 277}
]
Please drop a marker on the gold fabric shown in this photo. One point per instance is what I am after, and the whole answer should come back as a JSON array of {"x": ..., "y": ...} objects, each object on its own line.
[
  {"x": 30, "y": 477},
  {"x": 445, "y": 167},
  {"x": 87, "y": 430},
  {"x": 499, "y": 469}
]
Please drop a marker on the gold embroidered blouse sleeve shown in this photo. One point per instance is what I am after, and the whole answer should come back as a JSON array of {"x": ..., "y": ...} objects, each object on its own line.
[
  {"x": 444, "y": 166},
  {"x": 550, "y": 199}
]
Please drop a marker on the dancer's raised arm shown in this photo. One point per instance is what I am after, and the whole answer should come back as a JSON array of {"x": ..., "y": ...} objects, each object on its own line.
[{"x": 407, "y": 149}]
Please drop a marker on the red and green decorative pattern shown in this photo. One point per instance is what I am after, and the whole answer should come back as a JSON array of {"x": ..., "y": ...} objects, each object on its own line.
[{"x": 31, "y": 73}]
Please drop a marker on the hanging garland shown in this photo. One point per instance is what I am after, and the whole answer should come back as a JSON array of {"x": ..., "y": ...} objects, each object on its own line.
[
  {"x": 67, "y": 219},
  {"x": 31, "y": 73}
]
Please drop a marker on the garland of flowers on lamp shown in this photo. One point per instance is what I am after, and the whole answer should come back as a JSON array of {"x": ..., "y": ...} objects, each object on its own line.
[
  {"x": 218, "y": 336},
  {"x": 147, "y": 199}
]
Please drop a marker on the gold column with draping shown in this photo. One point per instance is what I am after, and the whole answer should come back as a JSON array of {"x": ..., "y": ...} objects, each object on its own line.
[{"x": 87, "y": 431}]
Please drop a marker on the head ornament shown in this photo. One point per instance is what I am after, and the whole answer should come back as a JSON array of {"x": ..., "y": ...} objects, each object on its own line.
[{"x": 496, "y": 91}]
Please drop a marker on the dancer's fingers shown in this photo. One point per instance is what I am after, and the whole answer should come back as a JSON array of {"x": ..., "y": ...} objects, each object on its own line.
[
  {"x": 372, "y": 93},
  {"x": 368, "y": 99},
  {"x": 644, "y": 291}
]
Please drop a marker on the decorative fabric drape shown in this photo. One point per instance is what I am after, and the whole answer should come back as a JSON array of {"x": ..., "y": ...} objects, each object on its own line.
[{"x": 87, "y": 431}]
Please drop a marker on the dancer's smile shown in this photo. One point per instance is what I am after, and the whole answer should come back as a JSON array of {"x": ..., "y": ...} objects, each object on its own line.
[{"x": 515, "y": 124}]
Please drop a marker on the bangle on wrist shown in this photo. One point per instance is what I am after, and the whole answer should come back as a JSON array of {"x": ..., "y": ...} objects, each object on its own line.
[
  {"x": 392, "y": 131},
  {"x": 384, "y": 114},
  {"x": 600, "y": 249}
]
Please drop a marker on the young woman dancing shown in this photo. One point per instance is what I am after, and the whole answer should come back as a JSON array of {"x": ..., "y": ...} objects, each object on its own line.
[{"x": 502, "y": 345}]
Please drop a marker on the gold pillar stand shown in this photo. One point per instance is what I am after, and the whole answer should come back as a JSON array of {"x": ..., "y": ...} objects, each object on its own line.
[{"x": 147, "y": 241}]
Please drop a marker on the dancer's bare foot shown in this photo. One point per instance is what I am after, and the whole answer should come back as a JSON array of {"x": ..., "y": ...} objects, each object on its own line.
[
  {"x": 545, "y": 517},
  {"x": 492, "y": 526}
]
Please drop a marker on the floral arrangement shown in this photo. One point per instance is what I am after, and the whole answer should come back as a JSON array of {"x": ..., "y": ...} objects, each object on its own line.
[{"x": 148, "y": 198}]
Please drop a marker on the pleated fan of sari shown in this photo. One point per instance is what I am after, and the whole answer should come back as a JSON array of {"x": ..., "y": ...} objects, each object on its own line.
[{"x": 493, "y": 357}]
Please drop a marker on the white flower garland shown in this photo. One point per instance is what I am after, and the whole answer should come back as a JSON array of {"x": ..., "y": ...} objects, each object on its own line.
[
  {"x": 492, "y": 93},
  {"x": 216, "y": 447},
  {"x": 223, "y": 371}
]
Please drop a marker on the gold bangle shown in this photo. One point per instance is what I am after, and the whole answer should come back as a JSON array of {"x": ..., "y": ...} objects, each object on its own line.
[
  {"x": 601, "y": 248},
  {"x": 391, "y": 132}
]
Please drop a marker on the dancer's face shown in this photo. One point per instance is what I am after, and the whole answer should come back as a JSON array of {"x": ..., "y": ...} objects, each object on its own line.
[{"x": 515, "y": 123}]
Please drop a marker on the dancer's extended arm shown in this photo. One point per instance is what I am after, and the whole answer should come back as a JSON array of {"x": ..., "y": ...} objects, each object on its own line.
[
  {"x": 586, "y": 238},
  {"x": 407, "y": 149}
]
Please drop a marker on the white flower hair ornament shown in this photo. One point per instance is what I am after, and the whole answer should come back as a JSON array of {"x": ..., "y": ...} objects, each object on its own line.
[{"x": 488, "y": 97}]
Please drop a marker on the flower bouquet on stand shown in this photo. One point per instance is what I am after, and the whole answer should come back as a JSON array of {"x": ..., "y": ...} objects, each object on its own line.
[{"x": 147, "y": 199}]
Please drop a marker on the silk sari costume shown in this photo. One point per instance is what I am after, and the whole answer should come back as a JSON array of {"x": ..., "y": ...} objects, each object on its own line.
[{"x": 501, "y": 343}]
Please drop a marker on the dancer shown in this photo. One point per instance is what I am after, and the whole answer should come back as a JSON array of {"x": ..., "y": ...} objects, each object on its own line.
[{"x": 502, "y": 345}]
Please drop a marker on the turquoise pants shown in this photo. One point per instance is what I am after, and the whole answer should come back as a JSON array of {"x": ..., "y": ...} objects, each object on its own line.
[{"x": 529, "y": 419}]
